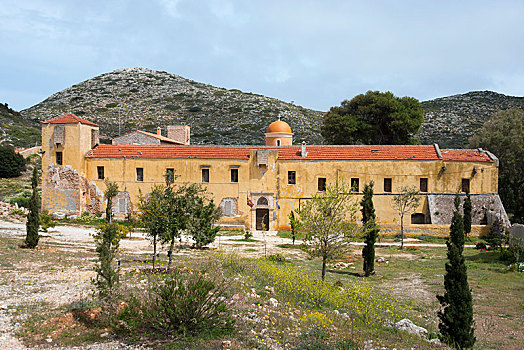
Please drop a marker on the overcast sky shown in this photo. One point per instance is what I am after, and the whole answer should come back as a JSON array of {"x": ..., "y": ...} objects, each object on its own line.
[{"x": 315, "y": 53}]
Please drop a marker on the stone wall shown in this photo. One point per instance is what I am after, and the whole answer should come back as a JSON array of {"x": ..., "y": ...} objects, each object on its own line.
[
  {"x": 65, "y": 190},
  {"x": 180, "y": 133},
  {"x": 136, "y": 138},
  {"x": 441, "y": 208}
]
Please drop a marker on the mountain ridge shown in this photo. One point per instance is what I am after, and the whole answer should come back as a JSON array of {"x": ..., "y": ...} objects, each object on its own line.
[{"x": 139, "y": 98}]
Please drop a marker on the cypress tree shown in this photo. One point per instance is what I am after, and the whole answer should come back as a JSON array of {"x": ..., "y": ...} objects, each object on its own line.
[
  {"x": 467, "y": 214},
  {"x": 456, "y": 314},
  {"x": 371, "y": 229},
  {"x": 33, "y": 218}
]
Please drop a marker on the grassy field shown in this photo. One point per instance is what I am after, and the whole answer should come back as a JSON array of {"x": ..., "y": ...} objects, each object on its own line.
[{"x": 46, "y": 288}]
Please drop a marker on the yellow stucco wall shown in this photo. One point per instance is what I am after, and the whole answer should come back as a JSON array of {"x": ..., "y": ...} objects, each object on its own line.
[
  {"x": 272, "y": 181},
  {"x": 67, "y": 195},
  {"x": 269, "y": 181}
]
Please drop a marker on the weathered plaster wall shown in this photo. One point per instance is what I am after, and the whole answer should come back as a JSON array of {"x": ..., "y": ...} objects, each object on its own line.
[{"x": 270, "y": 181}]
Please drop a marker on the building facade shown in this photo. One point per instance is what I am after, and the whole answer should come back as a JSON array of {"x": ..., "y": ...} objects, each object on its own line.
[{"x": 258, "y": 186}]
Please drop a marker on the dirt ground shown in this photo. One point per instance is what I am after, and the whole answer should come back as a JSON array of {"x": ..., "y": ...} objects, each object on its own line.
[
  {"x": 32, "y": 282},
  {"x": 42, "y": 282}
]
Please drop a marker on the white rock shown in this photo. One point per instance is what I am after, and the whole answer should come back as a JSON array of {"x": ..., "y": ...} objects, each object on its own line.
[
  {"x": 410, "y": 327},
  {"x": 270, "y": 289},
  {"x": 59, "y": 215}
]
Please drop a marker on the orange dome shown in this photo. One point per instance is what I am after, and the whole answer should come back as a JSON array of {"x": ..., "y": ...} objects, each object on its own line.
[{"x": 279, "y": 126}]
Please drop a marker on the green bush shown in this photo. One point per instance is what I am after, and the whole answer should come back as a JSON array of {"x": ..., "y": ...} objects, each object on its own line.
[
  {"x": 46, "y": 220},
  {"x": 87, "y": 219},
  {"x": 279, "y": 258},
  {"x": 247, "y": 234},
  {"x": 178, "y": 305},
  {"x": 172, "y": 107},
  {"x": 11, "y": 164},
  {"x": 22, "y": 199},
  {"x": 314, "y": 339}
]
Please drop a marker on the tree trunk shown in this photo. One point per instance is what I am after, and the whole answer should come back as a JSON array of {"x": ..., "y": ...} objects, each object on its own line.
[
  {"x": 170, "y": 253},
  {"x": 324, "y": 261},
  {"x": 154, "y": 252},
  {"x": 402, "y": 231},
  {"x": 293, "y": 234}
]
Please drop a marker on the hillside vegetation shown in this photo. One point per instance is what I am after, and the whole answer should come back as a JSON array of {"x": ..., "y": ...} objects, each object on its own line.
[
  {"x": 131, "y": 98},
  {"x": 451, "y": 121},
  {"x": 16, "y": 130}
]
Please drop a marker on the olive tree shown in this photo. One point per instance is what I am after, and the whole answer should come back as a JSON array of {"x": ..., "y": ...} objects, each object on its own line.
[
  {"x": 328, "y": 221},
  {"x": 405, "y": 202}
]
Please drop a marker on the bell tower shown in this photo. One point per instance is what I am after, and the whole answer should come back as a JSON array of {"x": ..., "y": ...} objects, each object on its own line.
[{"x": 279, "y": 134}]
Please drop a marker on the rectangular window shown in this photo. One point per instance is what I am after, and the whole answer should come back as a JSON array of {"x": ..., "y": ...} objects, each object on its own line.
[
  {"x": 170, "y": 175},
  {"x": 205, "y": 175},
  {"x": 321, "y": 184},
  {"x": 423, "y": 184},
  {"x": 234, "y": 175},
  {"x": 465, "y": 185},
  {"x": 100, "y": 172},
  {"x": 387, "y": 185},
  {"x": 59, "y": 159},
  {"x": 291, "y": 177},
  {"x": 354, "y": 184},
  {"x": 140, "y": 174}
]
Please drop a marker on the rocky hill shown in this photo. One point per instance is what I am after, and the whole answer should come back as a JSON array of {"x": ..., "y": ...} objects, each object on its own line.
[
  {"x": 17, "y": 131},
  {"x": 450, "y": 121},
  {"x": 131, "y": 98}
]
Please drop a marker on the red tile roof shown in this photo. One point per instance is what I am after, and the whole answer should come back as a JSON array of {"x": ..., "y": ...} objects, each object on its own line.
[
  {"x": 465, "y": 155},
  {"x": 314, "y": 152},
  {"x": 68, "y": 118}
]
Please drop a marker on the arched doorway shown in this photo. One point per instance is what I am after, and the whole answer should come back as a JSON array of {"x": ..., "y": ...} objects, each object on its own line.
[
  {"x": 418, "y": 218},
  {"x": 262, "y": 219}
]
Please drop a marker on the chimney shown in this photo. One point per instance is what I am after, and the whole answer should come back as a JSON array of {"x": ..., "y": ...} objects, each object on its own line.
[
  {"x": 158, "y": 131},
  {"x": 303, "y": 151},
  {"x": 180, "y": 133}
]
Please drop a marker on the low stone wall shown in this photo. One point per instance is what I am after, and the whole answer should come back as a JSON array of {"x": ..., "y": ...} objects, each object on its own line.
[{"x": 429, "y": 229}]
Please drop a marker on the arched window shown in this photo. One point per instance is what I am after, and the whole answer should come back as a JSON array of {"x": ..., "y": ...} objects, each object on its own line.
[
  {"x": 278, "y": 142},
  {"x": 262, "y": 201}
]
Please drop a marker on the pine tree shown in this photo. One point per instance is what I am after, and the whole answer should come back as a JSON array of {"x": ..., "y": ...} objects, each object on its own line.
[
  {"x": 467, "y": 214},
  {"x": 456, "y": 315},
  {"x": 371, "y": 229},
  {"x": 33, "y": 218}
]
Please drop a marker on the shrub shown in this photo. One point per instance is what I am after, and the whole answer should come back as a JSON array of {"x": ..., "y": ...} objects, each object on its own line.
[
  {"x": 87, "y": 219},
  {"x": 46, "y": 220},
  {"x": 107, "y": 241},
  {"x": 12, "y": 164},
  {"x": 22, "y": 199},
  {"x": 314, "y": 339},
  {"x": 178, "y": 305},
  {"x": 279, "y": 258},
  {"x": 363, "y": 304},
  {"x": 247, "y": 234}
]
